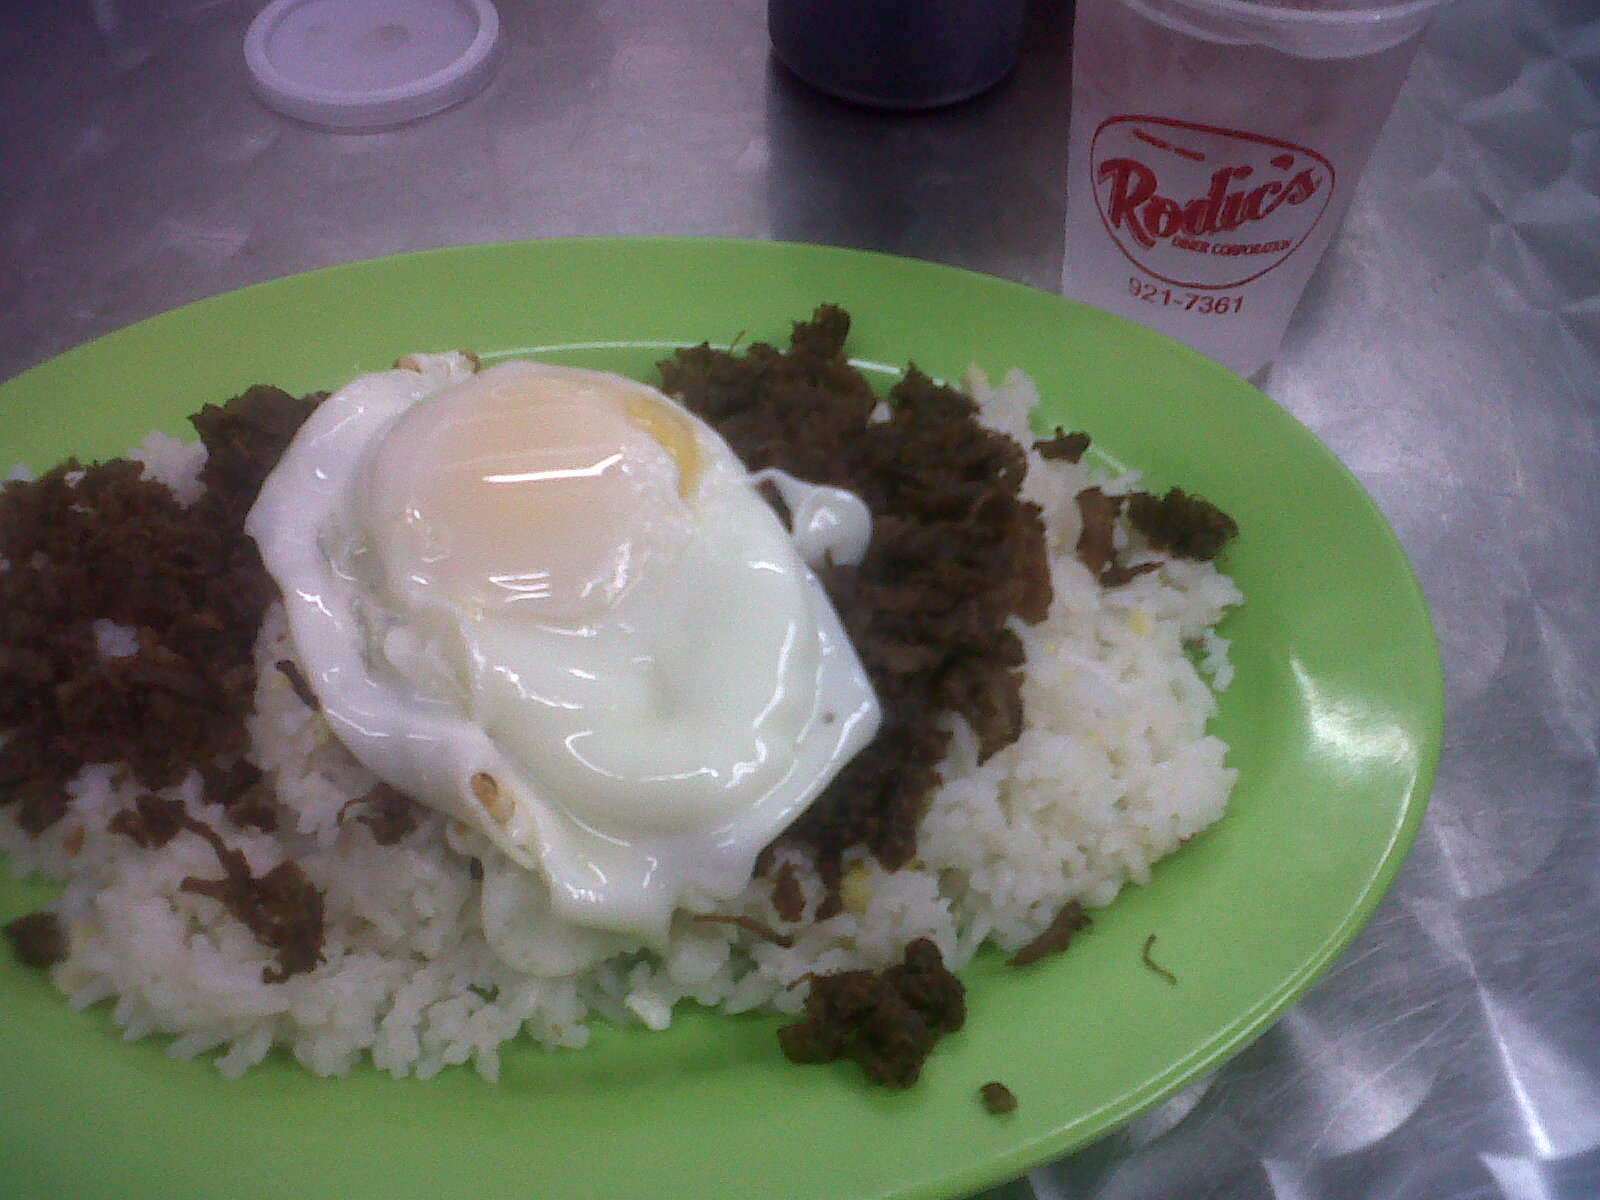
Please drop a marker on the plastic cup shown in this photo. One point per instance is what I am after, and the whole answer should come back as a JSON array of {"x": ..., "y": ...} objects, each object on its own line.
[{"x": 1214, "y": 148}]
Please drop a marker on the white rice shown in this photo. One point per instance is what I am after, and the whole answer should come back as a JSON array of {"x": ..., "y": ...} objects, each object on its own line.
[{"x": 1114, "y": 771}]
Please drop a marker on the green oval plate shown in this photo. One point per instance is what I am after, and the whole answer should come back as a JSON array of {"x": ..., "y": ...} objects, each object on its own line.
[{"x": 1334, "y": 721}]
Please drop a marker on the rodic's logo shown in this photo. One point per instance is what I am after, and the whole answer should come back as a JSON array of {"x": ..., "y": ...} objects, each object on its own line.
[{"x": 1197, "y": 206}]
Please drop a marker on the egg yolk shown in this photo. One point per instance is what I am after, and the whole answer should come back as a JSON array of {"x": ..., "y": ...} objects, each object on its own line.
[{"x": 531, "y": 490}]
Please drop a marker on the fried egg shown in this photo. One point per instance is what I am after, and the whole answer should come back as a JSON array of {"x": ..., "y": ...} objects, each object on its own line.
[{"x": 550, "y": 603}]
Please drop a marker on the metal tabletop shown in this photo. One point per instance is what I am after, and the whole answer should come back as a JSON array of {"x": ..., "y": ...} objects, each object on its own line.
[{"x": 1448, "y": 351}]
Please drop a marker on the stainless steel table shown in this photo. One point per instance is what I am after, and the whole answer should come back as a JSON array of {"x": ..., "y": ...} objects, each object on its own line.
[{"x": 1448, "y": 351}]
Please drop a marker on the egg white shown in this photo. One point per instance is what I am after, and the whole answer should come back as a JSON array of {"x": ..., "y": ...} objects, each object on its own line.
[{"x": 630, "y": 737}]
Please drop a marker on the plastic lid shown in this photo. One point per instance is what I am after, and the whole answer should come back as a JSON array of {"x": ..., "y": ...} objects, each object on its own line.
[{"x": 359, "y": 64}]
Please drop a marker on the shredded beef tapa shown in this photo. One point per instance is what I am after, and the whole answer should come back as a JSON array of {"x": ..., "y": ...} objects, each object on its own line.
[{"x": 957, "y": 556}]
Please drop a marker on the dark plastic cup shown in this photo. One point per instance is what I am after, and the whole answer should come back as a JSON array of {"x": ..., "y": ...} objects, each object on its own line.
[{"x": 903, "y": 54}]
